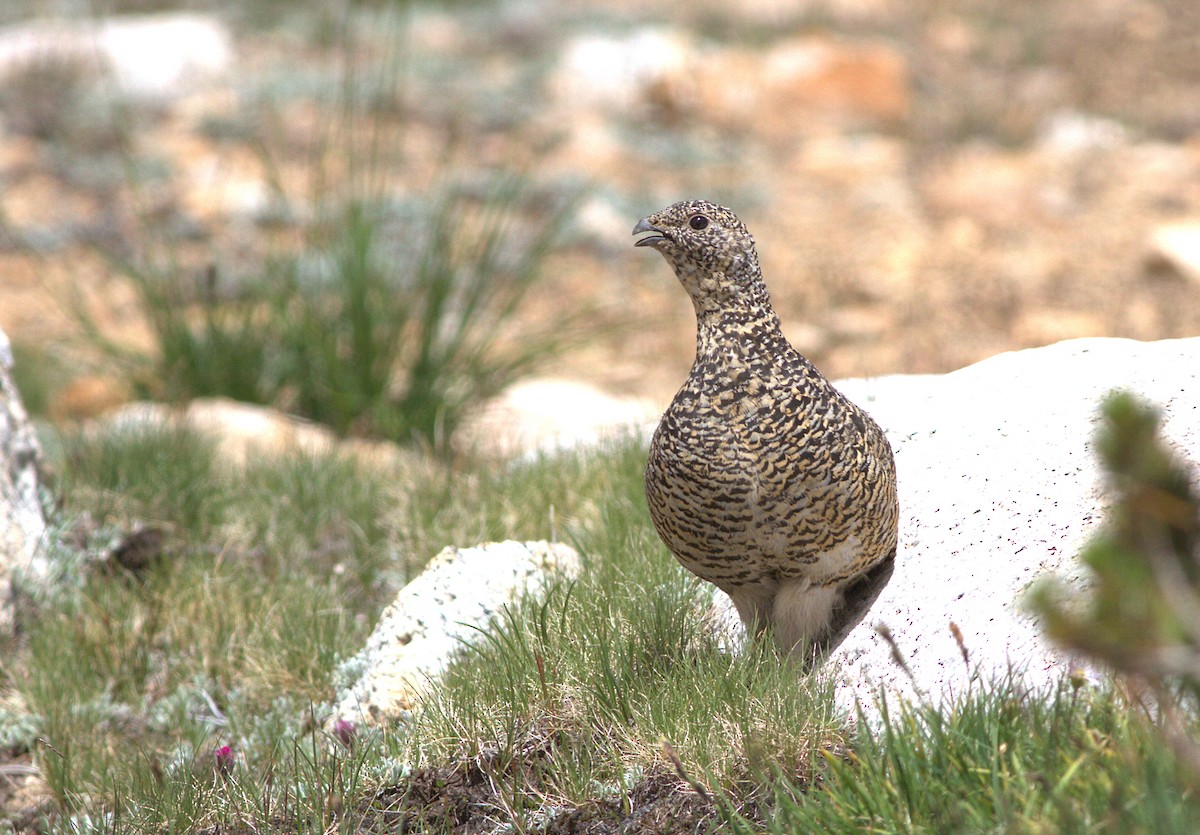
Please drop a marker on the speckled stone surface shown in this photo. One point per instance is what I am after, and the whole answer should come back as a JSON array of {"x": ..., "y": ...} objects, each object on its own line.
[{"x": 998, "y": 485}]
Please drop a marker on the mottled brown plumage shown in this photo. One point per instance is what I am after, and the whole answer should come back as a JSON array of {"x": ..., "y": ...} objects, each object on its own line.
[{"x": 763, "y": 478}]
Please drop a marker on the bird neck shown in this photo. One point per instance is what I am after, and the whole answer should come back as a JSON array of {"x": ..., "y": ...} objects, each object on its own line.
[{"x": 741, "y": 332}]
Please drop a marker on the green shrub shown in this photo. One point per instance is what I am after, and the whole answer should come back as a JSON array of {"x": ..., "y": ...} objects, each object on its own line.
[{"x": 1141, "y": 614}]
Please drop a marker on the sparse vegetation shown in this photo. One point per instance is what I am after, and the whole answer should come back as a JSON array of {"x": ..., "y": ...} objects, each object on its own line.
[
  {"x": 388, "y": 311},
  {"x": 37, "y": 374},
  {"x": 394, "y": 325},
  {"x": 186, "y": 692}
]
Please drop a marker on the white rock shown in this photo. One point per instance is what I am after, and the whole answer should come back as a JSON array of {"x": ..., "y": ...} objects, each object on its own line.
[
  {"x": 998, "y": 486},
  {"x": 549, "y": 414},
  {"x": 22, "y": 525},
  {"x": 151, "y": 56},
  {"x": 603, "y": 224},
  {"x": 1069, "y": 131},
  {"x": 1175, "y": 248},
  {"x": 436, "y": 615},
  {"x": 614, "y": 72}
]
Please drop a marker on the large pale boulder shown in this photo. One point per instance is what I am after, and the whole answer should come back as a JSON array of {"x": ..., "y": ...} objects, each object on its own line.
[
  {"x": 999, "y": 486},
  {"x": 22, "y": 525}
]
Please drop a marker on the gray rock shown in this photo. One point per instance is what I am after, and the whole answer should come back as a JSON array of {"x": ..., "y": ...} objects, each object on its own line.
[
  {"x": 436, "y": 615},
  {"x": 22, "y": 525},
  {"x": 999, "y": 485}
]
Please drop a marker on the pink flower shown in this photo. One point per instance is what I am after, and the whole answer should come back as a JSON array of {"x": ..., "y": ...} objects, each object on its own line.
[
  {"x": 345, "y": 732},
  {"x": 223, "y": 757}
]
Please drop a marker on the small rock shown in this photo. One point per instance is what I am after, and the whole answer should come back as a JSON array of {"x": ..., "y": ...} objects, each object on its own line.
[
  {"x": 857, "y": 323},
  {"x": 243, "y": 430},
  {"x": 953, "y": 35},
  {"x": 992, "y": 188},
  {"x": 796, "y": 87},
  {"x": 1175, "y": 250},
  {"x": 1050, "y": 325},
  {"x": 138, "y": 551},
  {"x": 600, "y": 222},
  {"x": 868, "y": 80},
  {"x": 617, "y": 72},
  {"x": 444, "y": 608},
  {"x": 213, "y": 191},
  {"x": 1069, "y": 131},
  {"x": 435, "y": 31}
]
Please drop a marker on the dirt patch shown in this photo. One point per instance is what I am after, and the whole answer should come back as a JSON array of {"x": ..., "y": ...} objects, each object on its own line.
[
  {"x": 482, "y": 795},
  {"x": 466, "y": 798},
  {"x": 658, "y": 804}
]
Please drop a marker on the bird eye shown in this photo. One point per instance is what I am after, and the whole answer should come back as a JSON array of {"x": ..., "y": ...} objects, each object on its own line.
[{"x": 698, "y": 222}]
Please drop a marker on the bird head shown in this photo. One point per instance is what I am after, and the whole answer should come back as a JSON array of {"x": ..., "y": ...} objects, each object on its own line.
[{"x": 710, "y": 249}]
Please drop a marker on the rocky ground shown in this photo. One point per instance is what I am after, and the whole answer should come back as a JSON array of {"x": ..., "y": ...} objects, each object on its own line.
[{"x": 930, "y": 183}]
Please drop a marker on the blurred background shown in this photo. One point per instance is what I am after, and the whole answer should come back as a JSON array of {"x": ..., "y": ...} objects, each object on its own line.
[{"x": 381, "y": 215}]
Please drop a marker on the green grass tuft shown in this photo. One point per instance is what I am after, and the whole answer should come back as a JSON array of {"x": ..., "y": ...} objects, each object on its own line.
[
  {"x": 155, "y": 473},
  {"x": 999, "y": 759}
]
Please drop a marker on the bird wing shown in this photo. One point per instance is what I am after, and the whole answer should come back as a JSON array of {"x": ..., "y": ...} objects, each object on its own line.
[{"x": 805, "y": 493}]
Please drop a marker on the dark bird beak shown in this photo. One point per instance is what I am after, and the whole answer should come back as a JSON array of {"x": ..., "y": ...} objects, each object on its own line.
[{"x": 644, "y": 225}]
